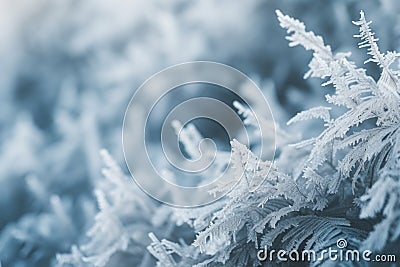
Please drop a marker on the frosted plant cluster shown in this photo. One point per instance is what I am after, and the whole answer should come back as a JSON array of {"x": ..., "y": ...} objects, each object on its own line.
[
  {"x": 68, "y": 69},
  {"x": 343, "y": 183}
]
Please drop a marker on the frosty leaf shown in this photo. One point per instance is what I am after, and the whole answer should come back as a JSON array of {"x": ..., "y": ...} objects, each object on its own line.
[
  {"x": 122, "y": 222},
  {"x": 190, "y": 137},
  {"x": 369, "y": 40},
  {"x": 313, "y": 113},
  {"x": 246, "y": 113},
  {"x": 160, "y": 252},
  {"x": 300, "y": 37}
]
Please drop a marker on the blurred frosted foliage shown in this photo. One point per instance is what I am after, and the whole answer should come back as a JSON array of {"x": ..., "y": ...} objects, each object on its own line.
[{"x": 68, "y": 70}]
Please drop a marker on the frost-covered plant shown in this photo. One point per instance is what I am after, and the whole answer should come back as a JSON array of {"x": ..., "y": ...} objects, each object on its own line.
[
  {"x": 119, "y": 233},
  {"x": 310, "y": 195},
  {"x": 64, "y": 88},
  {"x": 368, "y": 131}
]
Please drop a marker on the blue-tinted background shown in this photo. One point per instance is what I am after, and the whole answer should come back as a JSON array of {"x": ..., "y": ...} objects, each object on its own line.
[{"x": 69, "y": 68}]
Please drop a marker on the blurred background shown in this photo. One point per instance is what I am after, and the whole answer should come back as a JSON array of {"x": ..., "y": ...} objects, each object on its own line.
[{"x": 69, "y": 68}]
